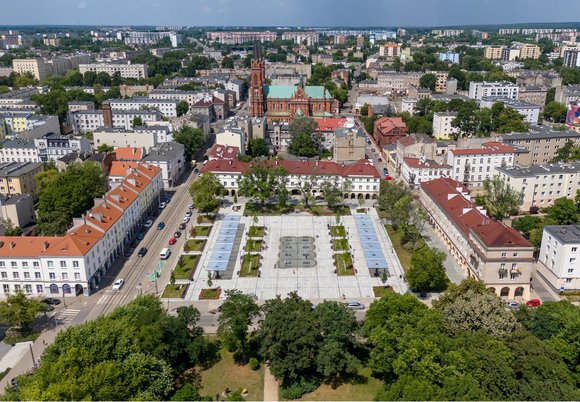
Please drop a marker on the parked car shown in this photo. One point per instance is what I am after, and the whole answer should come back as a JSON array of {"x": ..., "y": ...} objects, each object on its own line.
[
  {"x": 140, "y": 236},
  {"x": 129, "y": 251},
  {"x": 148, "y": 224},
  {"x": 182, "y": 226},
  {"x": 191, "y": 207},
  {"x": 162, "y": 205},
  {"x": 172, "y": 241},
  {"x": 533, "y": 303},
  {"x": 188, "y": 214},
  {"x": 50, "y": 301},
  {"x": 142, "y": 251},
  {"x": 355, "y": 306},
  {"x": 118, "y": 284},
  {"x": 177, "y": 234},
  {"x": 161, "y": 225},
  {"x": 512, "y": 304},
  {"x": 185, "y": 219}
]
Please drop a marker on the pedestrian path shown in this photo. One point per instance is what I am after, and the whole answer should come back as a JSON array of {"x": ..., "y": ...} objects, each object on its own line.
[
  {"x": 67, "y": 315},
  {"x": 270, "y": 386}
]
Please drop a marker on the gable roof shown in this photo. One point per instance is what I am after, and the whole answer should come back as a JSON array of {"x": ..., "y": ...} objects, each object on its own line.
[
  {"x": 129, "y": 153},
  {"x": 119, "y": 168}
]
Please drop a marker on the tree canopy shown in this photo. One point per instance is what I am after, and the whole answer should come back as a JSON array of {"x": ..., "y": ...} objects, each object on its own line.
[
  {"x": 427, "y": 272},
  {"x": 191, "y": 138},
  {"x": 304, "y": 140},
  {"x": 500, "y": 199},
  {"x": 204, "y": 191}
]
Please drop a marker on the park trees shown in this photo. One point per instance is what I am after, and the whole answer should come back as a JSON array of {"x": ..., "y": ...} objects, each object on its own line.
[
  {"x": 64, "y": 195},
  {"x": 333, "y": 191},
  {"x": 500, "y": 199},
  {"x": 555, "y": 112},
  {"x": 19, "y": 311},
  {"x": 191, "y": 138},
  {"x": 204, "y": 192},
  {"x": 427, "y": 272},
  {"x": 258, "y": 147},
  {"x": 260, "y": 182},
  {"x": 428, "y": 81},
  {"x": 237, "y": 312},
  {"x": 304, "y": 140}
]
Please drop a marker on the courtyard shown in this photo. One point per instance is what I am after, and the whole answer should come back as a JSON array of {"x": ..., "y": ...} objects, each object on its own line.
[{"x": 296, "y": 252}]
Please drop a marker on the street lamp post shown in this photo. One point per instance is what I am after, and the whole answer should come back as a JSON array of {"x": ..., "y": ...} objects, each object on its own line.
[{"x": 32, "y": 354}]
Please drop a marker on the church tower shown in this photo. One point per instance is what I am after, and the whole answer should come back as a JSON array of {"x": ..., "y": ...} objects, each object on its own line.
[{"x": 257, "y": 81}]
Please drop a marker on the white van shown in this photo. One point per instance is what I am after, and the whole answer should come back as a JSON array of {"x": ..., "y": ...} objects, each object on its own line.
[{"x": 165, "y": 253}]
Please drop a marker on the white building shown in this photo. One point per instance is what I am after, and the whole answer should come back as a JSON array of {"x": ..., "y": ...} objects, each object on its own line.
[
  {"x": 19, "y": 151},
  {"x": 472, "y": 166},
  {"x": 442, "y": 127},
  {"x": 415, "y": 171},
  {"x": 167, "y": 107},
  {"x": 126, "y": 70},
  {"x": 232, "y": 137},
  {"x": 90, "y": 120},
  {"x": 120, "y": 137},
  {"x": 408, "y": 105},
  {"x": 52, "y": 147},
  {"x": 559, "y": 261},
  {"x": 543, "y": 184},
  {"x": 500, "y": 89},
  {"x": 150, "y": 38},
  {"x": 170, "y": 158},
  {"x": 530, "y": 111},
  {"x": 73, "y": 264}
]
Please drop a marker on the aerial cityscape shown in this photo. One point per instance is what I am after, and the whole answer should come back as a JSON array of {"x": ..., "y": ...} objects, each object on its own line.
[{"x": 258, "y": 201}]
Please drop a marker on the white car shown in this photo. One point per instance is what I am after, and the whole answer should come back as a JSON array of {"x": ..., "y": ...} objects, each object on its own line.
[
  {"x": 162, "y": 205},
  {"x": 185, "y": 220},
  {"x": 148, "y": 224},
  {"x": 118, "y": 284},
  {"x": 188, "y": 214},
  {"x": 355, "y": 306}
]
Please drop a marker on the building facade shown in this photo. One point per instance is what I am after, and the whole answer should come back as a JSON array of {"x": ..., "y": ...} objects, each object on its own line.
[
  {"x": 559, "y": 261},
  {"x": 387, "y": 130},
  {"x": 442, "y": 127},
  {"x": 542, "y": 145},
  {"x": 126, "y": 70},
  {"x": 500, "y": 89}
]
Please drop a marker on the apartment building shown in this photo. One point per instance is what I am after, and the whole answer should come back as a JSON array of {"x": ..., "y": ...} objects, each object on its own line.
[
  {"x": 559, "y": 262},
  {"x": 387, "y": 130},
  {"x": 529, "y": 51},
  {"x": 550, "y": 79},
  {"x": 493, "y": 52},
  {"x": 450, "y": 57},
  {"x": 415, "y": 171},
  {"x": 543, "y": 184},
  {"x": 19, "y": 150},
  {"x": 37, "y": 67},
  {"x": 529, "y": 111},
  {"x": 18, "y": 209},
  {"x": 18, "y": 177},
  {"x": 442, "y": 127},
  {"x": 121, "y": 137},
  {"x": 474, "y": 165},
  {"x": 567, "y": 94},
  {"x": 167, "y": 107},
  {"x": 126, "y": 70},
  {"x": 349, "y": 144},
  {"x": 395, "y": 81},
  {"x": 498, "y": 89},
  {"x": 363, "y": 176},
  {"x": 52, "y": 147},
  {"x": 90, "y": 120},
  {"x": 237, "y": 37},
  {"x": 534, "y": 94},
  {"x": 390, "y": 50},
  {"x": 310, "y": 37},
  {"x": 74, "y": 264},
  {"x": 484, "y": 248},
  {"x": 542, "y": 145},
  {"x": 571, "y": 58},
  {"x": 170, "y": 158},
  {"x": 150, "y": 38}
]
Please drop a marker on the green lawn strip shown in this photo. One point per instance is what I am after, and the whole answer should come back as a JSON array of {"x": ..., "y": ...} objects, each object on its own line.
[
  {"x": 380, "y": 291},
  {"x": 254, "y": 245},
  {"x": 250, "y": 265},
  {"x": 186, "y": 266},
  {"x": 343, "y": 264},
  {"x": 200, "y": 231},
  {"x": 403, "y": 254},
  {"x": 174, "y": 291},
  {"x": 340, "y": 244},
  {"x": 362, "y": 387},
  {"x": 194, "y": 245},
  {"x": 210, "y": 294},
  {"x": 337, "y": 231},
  {"x": 257, "y": 231}
]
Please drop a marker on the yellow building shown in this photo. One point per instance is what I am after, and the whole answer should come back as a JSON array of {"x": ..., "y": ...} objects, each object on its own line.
[
  {"x": 493, "y": 52},
  {"x": 529, "y": 51},
  {"x": 37, "y": 67},
  {"x": 18, "y": 177}
]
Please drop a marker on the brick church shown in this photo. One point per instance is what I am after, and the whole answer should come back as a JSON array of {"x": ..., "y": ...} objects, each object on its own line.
[{"x": 281, "y": 103}]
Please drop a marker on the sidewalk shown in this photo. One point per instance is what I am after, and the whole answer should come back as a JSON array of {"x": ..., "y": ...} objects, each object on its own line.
[
  {"x": 270, "y": 386},
  {"x": 454, "y": 272}
]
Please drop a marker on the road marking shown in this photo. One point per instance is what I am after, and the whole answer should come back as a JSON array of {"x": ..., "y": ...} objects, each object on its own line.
[{"x": 103, "y": 299}]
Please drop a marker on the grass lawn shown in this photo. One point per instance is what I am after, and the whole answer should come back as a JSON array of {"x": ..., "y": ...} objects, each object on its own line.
[
  {"x": 404, "y": 255},
  {"x": 254, "y": 245},
  {"x": 210, "y": 294},
  {"x": 174, "y": 291},
  {"x": 253, "y": 208},
  {"x": 340, "y": 244},
  {"x": 205, "y": 218},
  {"x": 363, "y": 388},
  {"x": 186, "y": 266},
  {"x": 194, "y": 245},
  {"x": 200, "y": 231},
  {"x": 257, "y": 231},
  {"x": 380, "y": 291},
  {"x": 17, "y": 337},
  {"x": 343, "y": 263},
  {"x": 227, "y": 374},
  {"x": 337, "y": 231},
  {"x": 250, "y": 265}
]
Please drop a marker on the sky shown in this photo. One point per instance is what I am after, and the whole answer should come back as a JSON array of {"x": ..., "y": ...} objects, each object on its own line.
[{"x": 387, "y": 13}]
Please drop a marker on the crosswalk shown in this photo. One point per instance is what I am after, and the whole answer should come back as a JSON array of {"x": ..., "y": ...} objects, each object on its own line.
[
  {"x": 104, "y": 298},
  {"x": 67, "y": 315}
]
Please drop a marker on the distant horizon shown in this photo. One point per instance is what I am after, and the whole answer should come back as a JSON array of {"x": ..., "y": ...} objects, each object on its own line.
[{"x": 287, "y": 13}]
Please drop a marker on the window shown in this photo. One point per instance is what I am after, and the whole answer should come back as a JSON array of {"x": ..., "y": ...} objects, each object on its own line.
[
  {"x": 6, "y": 288},
  {"x": 64, "y": 276},
  {"x": 571, "y": 270},
  {"x": 504, "y": 255},
  {"x": 574, "y": 249},
  {"x": 15, "y": 275},
  {"x": 63, "y": 264},
  {"x": 50, "y": 264},
  {"x": 52, "y": 275},
  {"x": 24, "y": 264},
  {"x": 515, "y": 254},
  {"x": 37, "y": 275},
  {"x": 39, "y": 289},
  {"x": 13, "y": 264},
  {"x": 35, "y": 264},
  {"x": 77, "y": 276},
  {"x": 4, "y": 275},
  {"x": 572, "y": 259},
  {"x": 27, "y": 275},
  {"x": 28, "y": 288}
]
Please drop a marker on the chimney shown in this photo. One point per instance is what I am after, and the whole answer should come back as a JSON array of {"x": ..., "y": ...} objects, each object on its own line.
[{"x": 107, "y": 115}]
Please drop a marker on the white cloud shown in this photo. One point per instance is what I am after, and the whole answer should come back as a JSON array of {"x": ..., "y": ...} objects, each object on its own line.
[{"x": 82, "y": 4}]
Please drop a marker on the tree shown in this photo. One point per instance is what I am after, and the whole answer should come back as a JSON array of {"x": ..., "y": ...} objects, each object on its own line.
[
  {"x": 228, "y": 62},
  {"x": 64, "y": 195},
  {"x": 500, "y": 199},
  {"x": 258, "y": 147},
  {"x": 304, "y": 140},
  {"x": 563, "y": 212},
  {"x": 182, "y": 108},
  {"x": 137, "y": 121},
  {"x": 333, "y": 191},
  {"x": 19, "y": 310},
  {"x": 191, "y": 138},
  {"x": 259, "y": 182},
  {"x": 428, "y": 81},
  {"x": 555, "y": 112},
  {"x": 204, "y": 192},
  {"x": 106, "y": 148},
  {"x": 237, "y": 312},
  {"x": 427, "y": 272},
  {"x": 188, "y": 392},
  {"x": 364, "y": 110},
  {"x": 390, "y": 192},
  {"x": 10, "y": 229}
]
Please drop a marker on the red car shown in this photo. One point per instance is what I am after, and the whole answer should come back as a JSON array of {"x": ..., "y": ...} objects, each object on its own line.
[
  {"x": 389, "y": 178},
  {"x": 533, "y": 303},
  {"x": 172, "y": 241}
]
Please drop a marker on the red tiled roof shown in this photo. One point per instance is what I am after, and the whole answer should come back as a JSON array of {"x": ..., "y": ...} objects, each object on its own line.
[
  {"x": 329, "y": 124},
  {"x": 492, "y": 147},
  {"x": 386, "y": 124},
  {"x": 223, "y": 152},
  {"x": 298, "y": 167},
  {"x": 427, "y": 164},
  {"x": 119, "y": 168},
  {"x": 414, "y": 139},
  {"x": 129, "y": 153},
  {"x": 448, "y": 194}
]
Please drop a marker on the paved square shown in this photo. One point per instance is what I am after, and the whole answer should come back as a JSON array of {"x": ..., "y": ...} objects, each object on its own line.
[{"x": 307, "y": 240}]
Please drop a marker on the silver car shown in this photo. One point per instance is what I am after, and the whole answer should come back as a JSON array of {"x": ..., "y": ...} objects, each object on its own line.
[{"x": 355, "y": 306}]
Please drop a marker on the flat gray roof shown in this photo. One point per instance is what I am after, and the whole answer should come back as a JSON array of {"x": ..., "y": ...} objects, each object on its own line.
[
  {"x": 13, "y": 169},
  {"x": 564, "y": 233},
  {"x": 537, "y": 135},
  {"x": 537, "y": 170}
]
